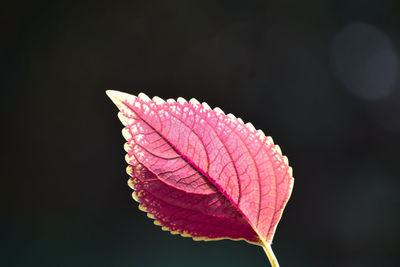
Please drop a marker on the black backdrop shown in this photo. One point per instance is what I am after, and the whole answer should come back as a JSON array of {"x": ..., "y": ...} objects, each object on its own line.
[{"x": 321, "y": 77}]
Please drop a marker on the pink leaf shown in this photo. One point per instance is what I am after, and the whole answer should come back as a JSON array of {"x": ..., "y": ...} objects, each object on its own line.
[{"x": 201, "y": 173}]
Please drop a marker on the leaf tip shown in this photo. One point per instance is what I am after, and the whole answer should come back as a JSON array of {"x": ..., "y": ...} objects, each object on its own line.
[{"x": 118, "y": 97}]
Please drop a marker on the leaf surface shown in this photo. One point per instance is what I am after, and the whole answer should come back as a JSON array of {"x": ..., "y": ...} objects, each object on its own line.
[{"x": 201, "y": 173}]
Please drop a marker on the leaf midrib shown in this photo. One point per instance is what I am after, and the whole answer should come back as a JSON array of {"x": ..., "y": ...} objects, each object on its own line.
[{"x": 197, "y": 168}]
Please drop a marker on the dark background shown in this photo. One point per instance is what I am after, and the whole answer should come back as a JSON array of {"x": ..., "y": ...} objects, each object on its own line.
[{"x": 321, "y": 77}]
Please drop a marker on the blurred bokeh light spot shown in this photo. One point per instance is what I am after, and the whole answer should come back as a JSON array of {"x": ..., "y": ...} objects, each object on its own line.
[{"x": 365, "y": 61}]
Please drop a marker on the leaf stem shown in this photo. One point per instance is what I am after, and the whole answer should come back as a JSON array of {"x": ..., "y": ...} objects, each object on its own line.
[{"x": 270, "y": 254}]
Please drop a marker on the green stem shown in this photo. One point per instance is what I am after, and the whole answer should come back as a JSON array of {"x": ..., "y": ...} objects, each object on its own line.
[{"x": 270, "y": 254}]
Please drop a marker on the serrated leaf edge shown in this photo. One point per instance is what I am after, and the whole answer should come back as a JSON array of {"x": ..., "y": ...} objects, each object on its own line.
[{"x": 114, "y": 94}]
